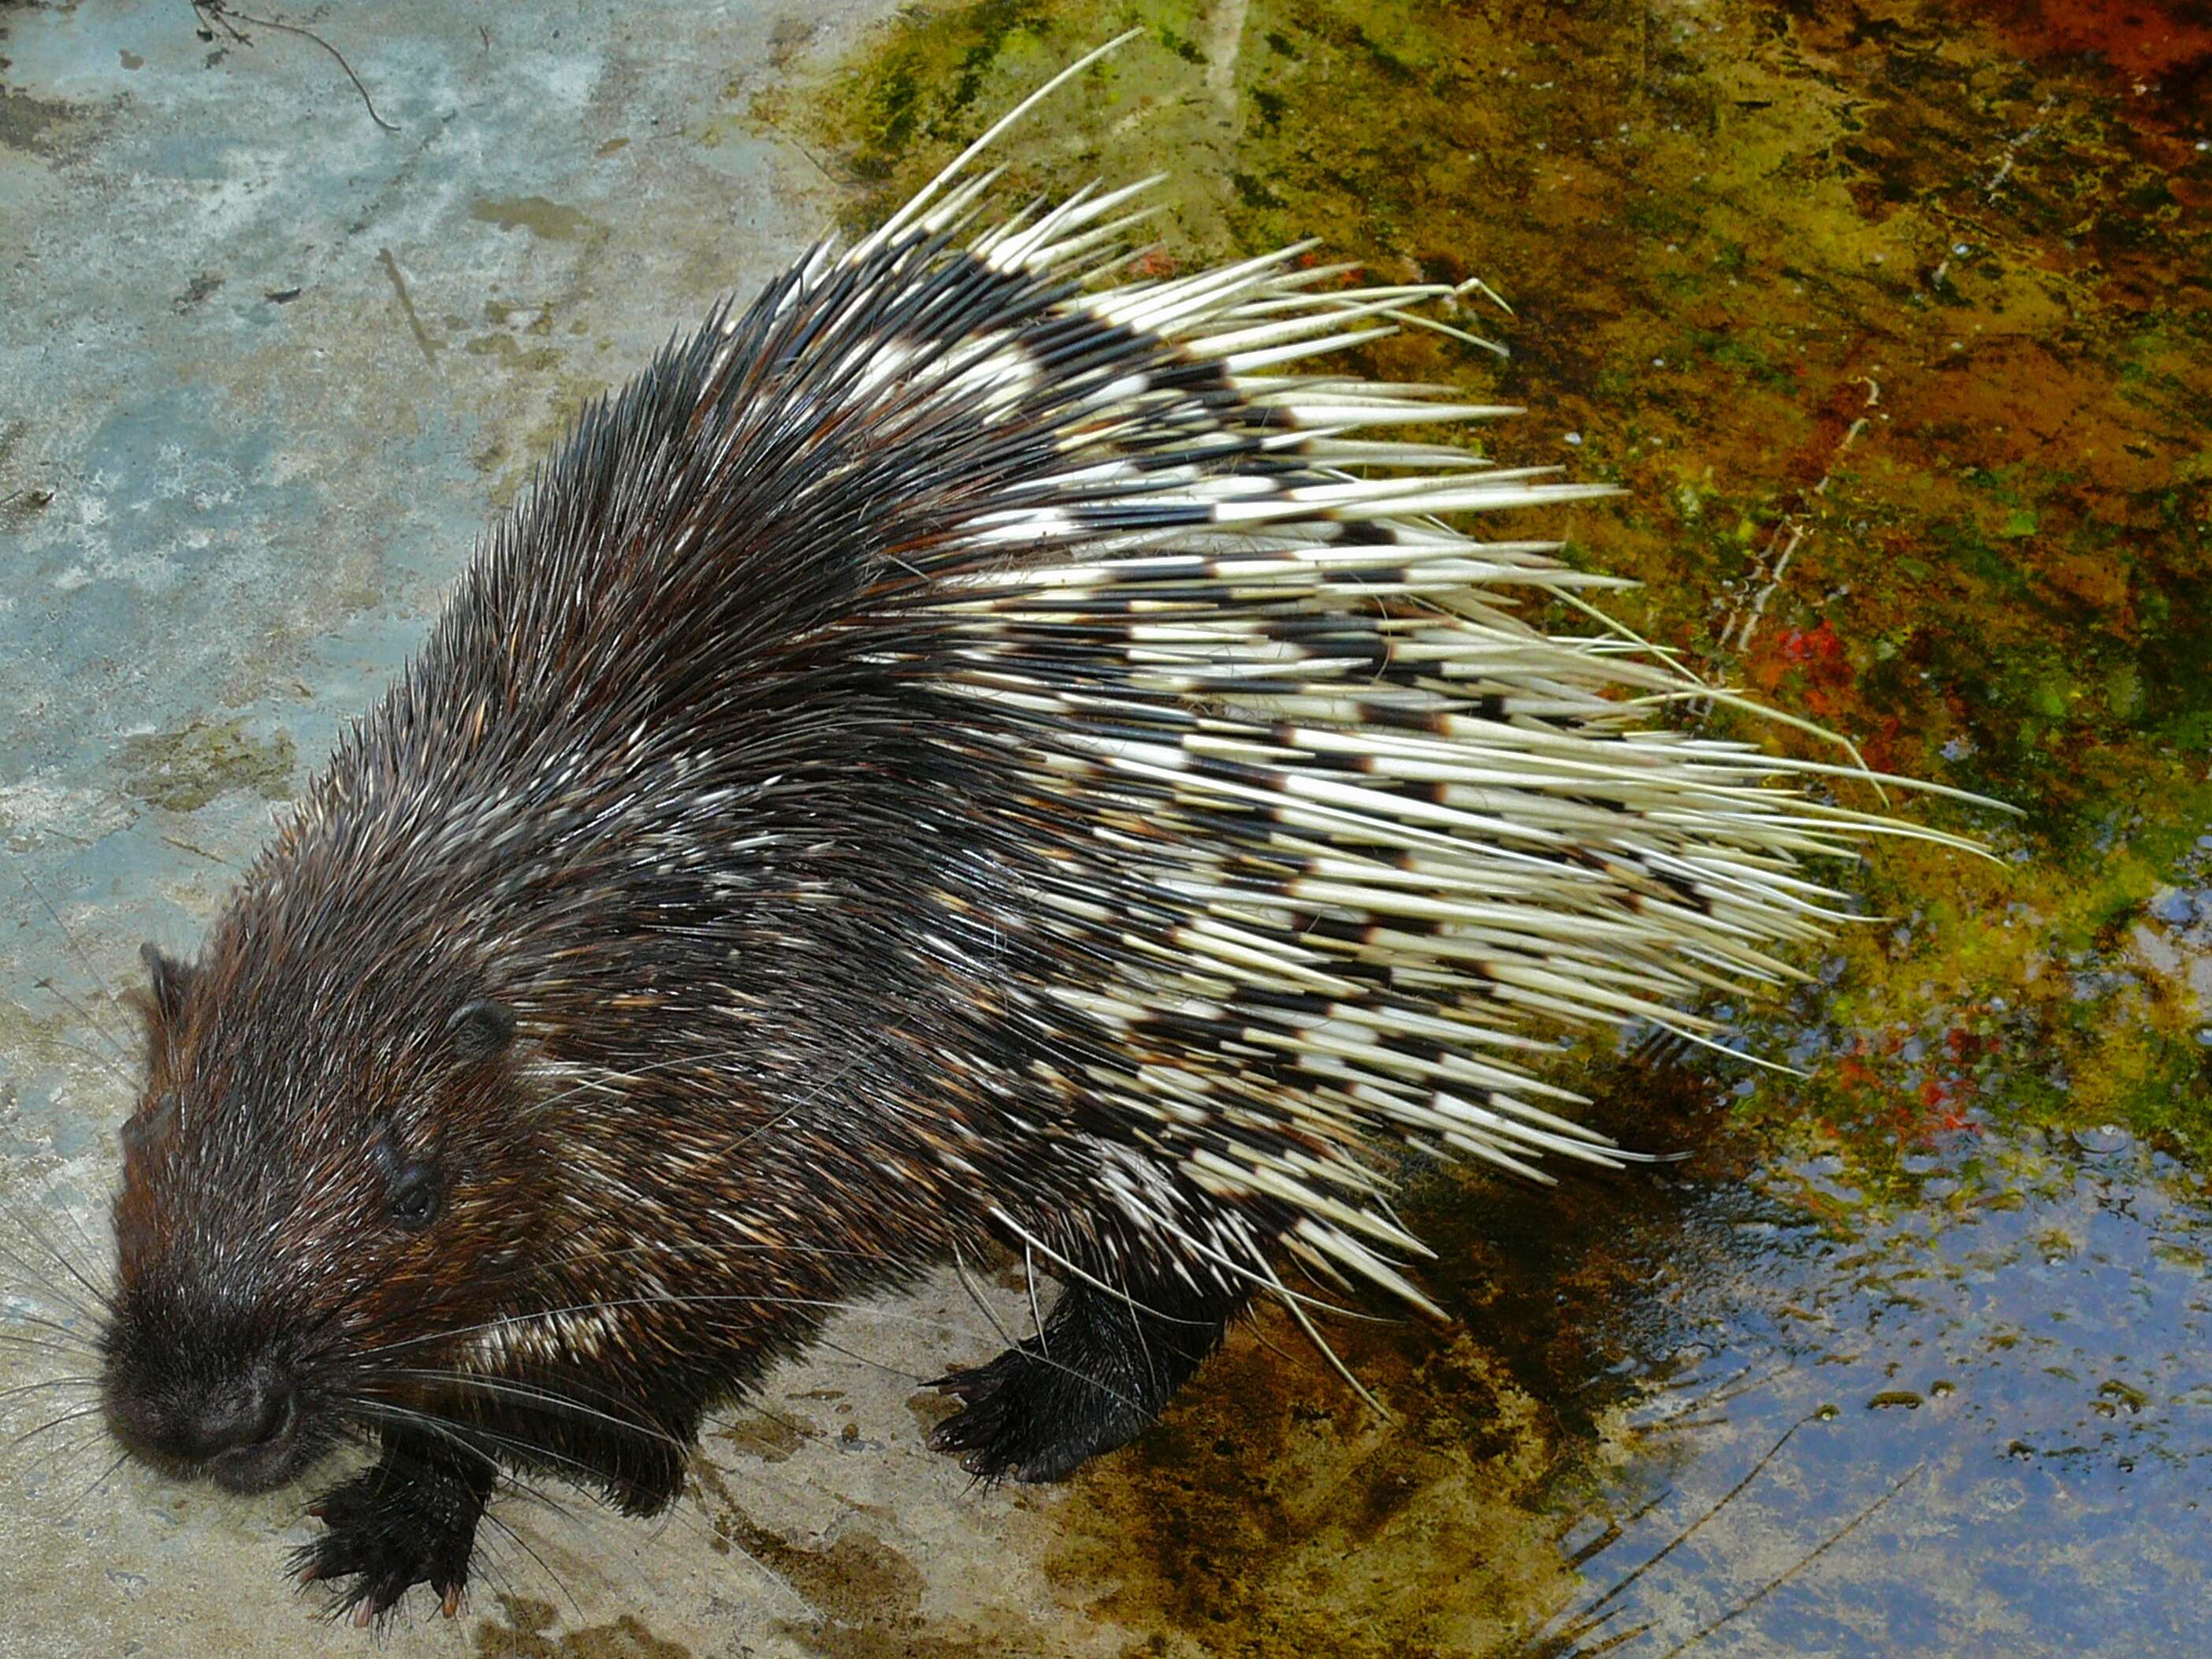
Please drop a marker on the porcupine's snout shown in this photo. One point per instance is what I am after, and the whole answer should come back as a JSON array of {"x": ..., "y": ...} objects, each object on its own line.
[{"x": 226, "y": 1409}]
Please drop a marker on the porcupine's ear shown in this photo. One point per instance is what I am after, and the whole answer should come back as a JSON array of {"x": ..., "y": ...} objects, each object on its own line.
[
  {"x": 168, "y": 980},
  {"x": 161, "y": 1005},
  {"x": 480, "y": 1030}
]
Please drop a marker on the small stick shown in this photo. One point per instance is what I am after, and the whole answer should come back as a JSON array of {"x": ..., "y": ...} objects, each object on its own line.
[
  {"x": 217, "y": 12},
  {"x": 187, "y": 846}
]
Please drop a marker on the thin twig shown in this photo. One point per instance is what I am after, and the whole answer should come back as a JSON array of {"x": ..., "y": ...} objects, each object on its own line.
[{"x": 217, "y": 12}]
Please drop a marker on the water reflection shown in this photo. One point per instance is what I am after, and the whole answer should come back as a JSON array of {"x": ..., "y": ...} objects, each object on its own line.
[{"x": 1972, "y": 1414}]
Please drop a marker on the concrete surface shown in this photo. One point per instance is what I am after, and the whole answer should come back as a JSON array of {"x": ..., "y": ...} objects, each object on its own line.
[{"x": 264, "y": 369}]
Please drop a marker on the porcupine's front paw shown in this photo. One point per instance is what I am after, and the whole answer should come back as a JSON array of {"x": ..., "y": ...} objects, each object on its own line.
[
  {"x": 411, "y": 1520},
  {"x": 1094, "y": 1379}
]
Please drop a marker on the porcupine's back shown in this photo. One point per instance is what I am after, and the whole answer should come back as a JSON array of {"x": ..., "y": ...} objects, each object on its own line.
[{"x": 1068, "y": 680}]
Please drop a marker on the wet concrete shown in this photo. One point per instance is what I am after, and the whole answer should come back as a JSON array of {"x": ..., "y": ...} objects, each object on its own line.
[{"x": 267, "y": 369}]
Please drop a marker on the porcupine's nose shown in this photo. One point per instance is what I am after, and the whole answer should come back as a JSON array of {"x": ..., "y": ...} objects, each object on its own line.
[
  {"x": 242, "y": 1433},
  {"x": 248, "y": 1417},
  {"x": 202, "y": 1393}
]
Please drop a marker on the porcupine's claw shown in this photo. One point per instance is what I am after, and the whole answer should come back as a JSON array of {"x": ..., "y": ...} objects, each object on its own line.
[
  {"x": 1093, "y": 1379},
  {"x": 410, "y": 1519}
]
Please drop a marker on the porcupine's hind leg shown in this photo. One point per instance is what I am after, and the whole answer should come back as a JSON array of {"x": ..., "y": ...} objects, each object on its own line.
[{"x": 1094, "y": 1379}]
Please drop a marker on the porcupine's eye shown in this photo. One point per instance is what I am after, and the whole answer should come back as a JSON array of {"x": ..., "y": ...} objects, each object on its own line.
[
  {"x": 413, "y": 1193},
  {"x": 481, "y": 1029},
  {"x": 416, "y": 1196}
]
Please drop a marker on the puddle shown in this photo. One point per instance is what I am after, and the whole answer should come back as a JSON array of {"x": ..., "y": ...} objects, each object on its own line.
[{"x": 1976, "y": 1417}]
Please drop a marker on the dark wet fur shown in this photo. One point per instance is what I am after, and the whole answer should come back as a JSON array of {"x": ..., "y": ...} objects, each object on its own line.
[
  {"x": 1101, "y": 1369},
  {"x": 656, "y": 924}
]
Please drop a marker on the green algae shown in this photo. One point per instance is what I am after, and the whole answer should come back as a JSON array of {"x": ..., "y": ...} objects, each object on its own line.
[
  {"x": 182, "y": 771},
  {"x": 555, "y": 222},
  {"x": 528, "y": 1631}
]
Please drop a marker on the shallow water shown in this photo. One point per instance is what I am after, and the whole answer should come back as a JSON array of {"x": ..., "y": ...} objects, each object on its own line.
[{"x": 1974, "y": 1416}]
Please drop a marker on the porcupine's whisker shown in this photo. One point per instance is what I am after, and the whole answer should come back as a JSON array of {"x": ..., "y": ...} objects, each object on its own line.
[
  {"x": 829, "y": 1304},
  {"x": 97, "y": 1252},
  {"x": 919, "y": 1379},
  {"x": 710, "y": 1250},
  {"x": 113, "y": 1067},
  {"x": 21, "y": 1389},
  {"x": 707, "y": 1250},
  {"x": 359, "y": 1411},
  {"x": 704, "y": 1249},
  {"x": 69, "y": 1335},
  {"x": 104, "y": 1477},
  {"x": 41, "y": 1345},
  {"x": 573, "y": 1399},
  {"x": 100, "y": 1305},
  {"x": 75, "y": 1414},
  {"x": 492, "y": 1518},
  {"x": 510, "y": 1479},
  {"x": 714, "y": 1249},
  {"x": 477, "y": 1378},
  {"x": 84, "y": 961},
  {"x": 380, "y": 1350},
  {"x": 60, "y": 1458},
  {"x": 474, "y": 1439},
  {"x": 504, "y": 1388}
]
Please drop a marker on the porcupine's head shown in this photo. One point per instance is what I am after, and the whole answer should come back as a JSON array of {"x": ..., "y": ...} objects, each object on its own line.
[{"x": 308, "y": 1188}]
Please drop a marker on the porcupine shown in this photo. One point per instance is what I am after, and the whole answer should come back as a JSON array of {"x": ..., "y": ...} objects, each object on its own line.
[{"x": 963, "y": 750}]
